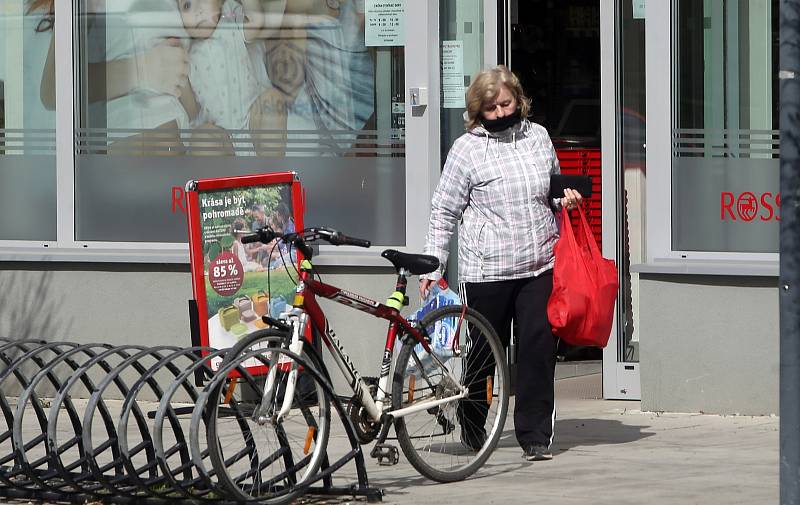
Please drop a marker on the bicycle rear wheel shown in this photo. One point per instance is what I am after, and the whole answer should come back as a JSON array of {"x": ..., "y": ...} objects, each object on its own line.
[
  {"x": 256, "y": 454},
  {"x": 451, "y": 441}
]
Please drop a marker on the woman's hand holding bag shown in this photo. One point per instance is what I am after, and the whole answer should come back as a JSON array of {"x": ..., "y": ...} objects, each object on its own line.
[{"x": 581, "y": 306}]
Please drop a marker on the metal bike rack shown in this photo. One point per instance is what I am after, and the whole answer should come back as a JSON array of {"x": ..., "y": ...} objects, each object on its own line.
[{"x": 112, "y": 423}]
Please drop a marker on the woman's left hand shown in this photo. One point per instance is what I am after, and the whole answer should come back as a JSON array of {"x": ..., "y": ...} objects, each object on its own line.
[{"x": 572, "y": 199}]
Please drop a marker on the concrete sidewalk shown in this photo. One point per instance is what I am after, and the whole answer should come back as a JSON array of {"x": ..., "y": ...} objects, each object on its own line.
[
  {"x": 610, "y": 452},
  {"x": 606, "y": 452}
]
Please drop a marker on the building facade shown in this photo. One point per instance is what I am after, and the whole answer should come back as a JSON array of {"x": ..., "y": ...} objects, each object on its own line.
[{"x": 109, "y": 108}]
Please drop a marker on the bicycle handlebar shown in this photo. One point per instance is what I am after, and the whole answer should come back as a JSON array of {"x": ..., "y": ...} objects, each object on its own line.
[
  {"x": 333, "y": 237},
  {"x": 264, "y": 235},
  {"x": 339, "y": 238}
]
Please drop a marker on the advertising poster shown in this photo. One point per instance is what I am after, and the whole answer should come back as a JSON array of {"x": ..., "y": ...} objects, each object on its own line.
[
  {"x": 234, "y": 283},
  {"x": 224, "y": 87}
]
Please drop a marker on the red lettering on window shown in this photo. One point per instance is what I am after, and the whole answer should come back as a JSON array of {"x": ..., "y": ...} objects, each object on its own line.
[
  {"x": 765, "y": 203},
  {"x": 178, "y": 199},
  {"x": 726, "y": 204},
  {"x": 778, "y": 204}
]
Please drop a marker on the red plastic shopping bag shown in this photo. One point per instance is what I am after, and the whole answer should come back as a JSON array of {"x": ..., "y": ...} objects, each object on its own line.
[{"x": 581, "y": 306}]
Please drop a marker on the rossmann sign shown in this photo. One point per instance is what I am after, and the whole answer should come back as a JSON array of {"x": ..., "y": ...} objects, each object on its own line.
[
  {"x": 749, "y": 206},
  {"x": 726, "y": 205}
]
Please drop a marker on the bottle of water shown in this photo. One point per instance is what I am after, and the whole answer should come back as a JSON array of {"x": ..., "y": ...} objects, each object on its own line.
[{"x": 442, "y": 332}]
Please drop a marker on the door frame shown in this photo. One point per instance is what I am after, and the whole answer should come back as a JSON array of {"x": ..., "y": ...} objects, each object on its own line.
[{"x": 621, "y": 379}]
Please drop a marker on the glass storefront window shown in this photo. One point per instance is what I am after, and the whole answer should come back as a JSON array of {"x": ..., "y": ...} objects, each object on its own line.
[
  {"x": 725, "y": 143},
  {"x": 170, "y": 91},
  {"x": 27, "y": 122}
]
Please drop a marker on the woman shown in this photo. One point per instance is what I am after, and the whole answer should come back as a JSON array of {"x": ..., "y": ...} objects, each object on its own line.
[{"x": 496, "y": 181}]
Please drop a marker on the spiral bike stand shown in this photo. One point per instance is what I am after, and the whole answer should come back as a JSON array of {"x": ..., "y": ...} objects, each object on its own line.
[{"x": 132, "y": 425}]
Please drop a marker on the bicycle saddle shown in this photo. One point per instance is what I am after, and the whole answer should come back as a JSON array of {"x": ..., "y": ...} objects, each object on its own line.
[{"x": 417, "y": 264}]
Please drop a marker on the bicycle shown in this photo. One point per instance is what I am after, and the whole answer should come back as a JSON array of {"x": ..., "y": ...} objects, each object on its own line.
[{"x": 436, "y": 402}]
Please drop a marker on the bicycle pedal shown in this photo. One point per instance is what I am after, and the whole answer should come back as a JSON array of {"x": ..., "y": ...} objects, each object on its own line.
[{"x": 386, "y": 454}]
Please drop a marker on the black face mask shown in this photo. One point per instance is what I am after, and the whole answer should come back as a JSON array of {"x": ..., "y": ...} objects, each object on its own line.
[{"x": 501, "y": 123}]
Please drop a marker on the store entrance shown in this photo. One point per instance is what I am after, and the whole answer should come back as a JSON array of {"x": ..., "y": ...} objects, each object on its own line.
[{"x": 554, "y": 49}]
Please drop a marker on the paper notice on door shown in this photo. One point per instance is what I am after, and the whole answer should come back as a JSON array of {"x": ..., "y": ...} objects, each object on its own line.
[
  {"x": 453, "y": 74},
  {"x": 638, "y": 9},
  {"x": 384, "y": 23}
]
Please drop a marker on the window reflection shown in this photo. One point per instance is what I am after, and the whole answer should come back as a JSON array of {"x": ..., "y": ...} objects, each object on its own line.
[
  {"x": 27, "y": 122},
  {"x": 227, "y": 77},
  {"x": 174, "y": 90}
]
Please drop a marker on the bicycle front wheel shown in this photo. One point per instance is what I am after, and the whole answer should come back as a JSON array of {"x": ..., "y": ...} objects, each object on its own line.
[
  {"x": 267, "y": 447},
  {"x": 451, "y": 441}
]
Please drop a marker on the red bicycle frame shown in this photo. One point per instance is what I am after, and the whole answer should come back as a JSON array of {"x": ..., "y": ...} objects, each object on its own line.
[{"x": 305, "y": 299}]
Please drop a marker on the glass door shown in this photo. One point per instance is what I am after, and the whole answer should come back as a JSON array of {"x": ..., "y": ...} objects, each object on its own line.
[
  {"x": 462, "y": 33},
  {"x": 467, "y": 44}
]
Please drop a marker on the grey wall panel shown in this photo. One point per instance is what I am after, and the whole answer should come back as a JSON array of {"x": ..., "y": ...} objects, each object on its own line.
[
  {"x": 114, "y": 303},
  {"x": 709, "y": 344},
  {"x": 96, "y": 303}
]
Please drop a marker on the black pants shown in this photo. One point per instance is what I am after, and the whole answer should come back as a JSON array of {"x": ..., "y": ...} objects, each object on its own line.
[{"x": 523, "y": 301}]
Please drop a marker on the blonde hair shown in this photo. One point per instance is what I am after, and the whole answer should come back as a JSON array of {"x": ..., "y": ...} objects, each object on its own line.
[{"x": 485, "y": 87}]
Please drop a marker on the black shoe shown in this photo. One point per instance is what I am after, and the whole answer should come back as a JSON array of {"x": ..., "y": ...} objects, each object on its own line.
[
  {"x": 473, "y": 441},
  {"x": 537, "y": 452}
]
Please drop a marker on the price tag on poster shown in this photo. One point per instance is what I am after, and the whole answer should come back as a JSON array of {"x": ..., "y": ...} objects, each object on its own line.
[{"x": 235, "y": 284}]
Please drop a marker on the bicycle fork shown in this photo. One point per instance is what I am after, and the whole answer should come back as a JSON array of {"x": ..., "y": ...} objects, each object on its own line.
[{"x": 262, "y": 413}]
